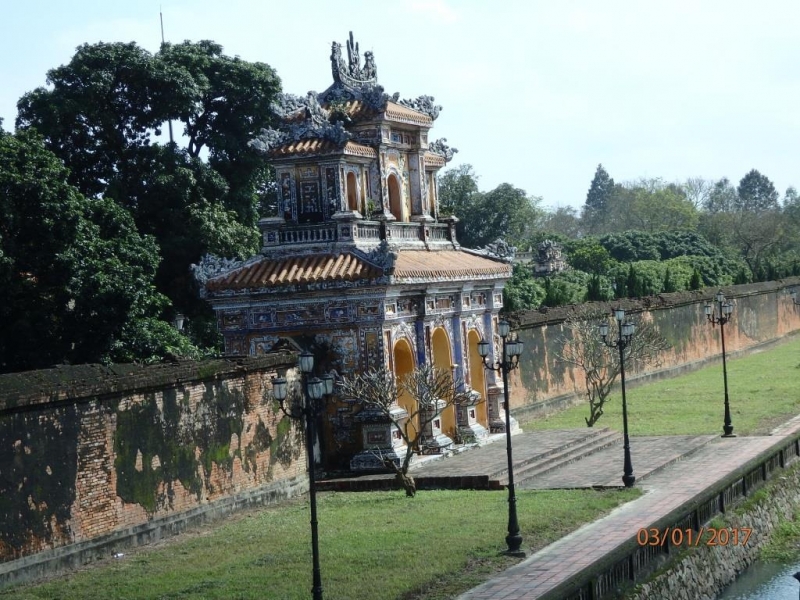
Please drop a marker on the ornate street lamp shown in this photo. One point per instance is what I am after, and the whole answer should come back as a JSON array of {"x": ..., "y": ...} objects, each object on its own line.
[
  {"x": 725, "y": 310},
  {"x": 309, "y": 408},
  {"x": 510, "y": 360},
  {"x": 624, "y": 336},
  {"x": 178, "y": 321}
]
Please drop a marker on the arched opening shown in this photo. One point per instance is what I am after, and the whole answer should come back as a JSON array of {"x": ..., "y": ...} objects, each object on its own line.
[
  {"x": 395, "y": 201},
  {"x": 442, "y": 359},
  {"x": 352, "y": 191},
  {"x": 477, "y": 376},
  {"x": 404, "y": 365}
]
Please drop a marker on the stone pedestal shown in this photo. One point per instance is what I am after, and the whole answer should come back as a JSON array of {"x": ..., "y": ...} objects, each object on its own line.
[
  {"x": 380, "y": 439},
  {"x": 433, "y": 441},
  {"x": 469, "y": 429},
  {"x": 496, "y": 412}
]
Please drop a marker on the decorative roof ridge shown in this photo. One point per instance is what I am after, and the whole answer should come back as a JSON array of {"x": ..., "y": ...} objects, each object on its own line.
[
  {"x": 499, "y": 251},
  {"x": 212, "y": 266},
  {"x": 383, "y": 256}
]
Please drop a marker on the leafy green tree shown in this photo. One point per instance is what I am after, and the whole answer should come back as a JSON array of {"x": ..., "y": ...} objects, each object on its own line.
[
  {"x": 588, "y": 255},
  {"x": 669, "y": 284},
  {"x": 77, "y": 276},
  {"x": 567, "y": 287},
  {"x": 632, "y": 284},
  {"x": 198, "y": 195},
  {"x": 563, "y": 221},
  {"x": 756, "y": 193},
  {"x": 504, "y": 212},
  {"x": 231, "y": 102},
  {"x": 523, "y": 291},
  {"x": 458, "y": 188},
  {"x": 596, "y": 207},
  {"x": 650, "y": 205},
  {"x": 101, "y": 107},
  {"x": 630, "y": 246},
  {"x": 696, "y": 282}
]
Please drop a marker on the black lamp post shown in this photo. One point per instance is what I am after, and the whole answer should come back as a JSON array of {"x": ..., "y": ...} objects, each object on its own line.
[
  {"x": 797, "y": 576},
  {"x": 725, "y": 310},
  {"x": 626, "y": 331},
  {"x": 510, "y": 360},
  {"x": 308, "y": 408}
]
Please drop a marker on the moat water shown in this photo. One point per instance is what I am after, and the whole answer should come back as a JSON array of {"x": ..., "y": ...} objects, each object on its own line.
[{"x": 765, "y": 581}]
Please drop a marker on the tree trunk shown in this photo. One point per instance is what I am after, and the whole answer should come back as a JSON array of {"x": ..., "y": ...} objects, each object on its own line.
[{"x": 404, "y": 480}]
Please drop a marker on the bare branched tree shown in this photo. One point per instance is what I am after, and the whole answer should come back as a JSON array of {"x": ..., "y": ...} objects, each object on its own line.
[
  {"x": 584, "y": 349},
  {"x": 431, "y": 389}
]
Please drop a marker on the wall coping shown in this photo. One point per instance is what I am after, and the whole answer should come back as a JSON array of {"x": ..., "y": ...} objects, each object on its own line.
[
  {"x": 69, "y": 384},
  {"x": 559, "y": 314}
]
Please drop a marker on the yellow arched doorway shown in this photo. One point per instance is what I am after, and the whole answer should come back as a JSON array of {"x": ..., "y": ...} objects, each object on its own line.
[
  {"x": 395, "y": 199},
  {"x": 404, "y": 365},
  {"x": 352, "y": 196},
  {"x": 442, "y": 359},
  {"x": 477, "y": 376}
]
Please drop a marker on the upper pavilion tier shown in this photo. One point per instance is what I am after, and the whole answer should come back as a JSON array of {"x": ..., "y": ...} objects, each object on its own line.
[{"x": 354, "y": 165}]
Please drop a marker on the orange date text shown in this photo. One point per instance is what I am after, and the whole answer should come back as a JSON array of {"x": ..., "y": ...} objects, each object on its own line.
[{"x": 707, "y": 536}]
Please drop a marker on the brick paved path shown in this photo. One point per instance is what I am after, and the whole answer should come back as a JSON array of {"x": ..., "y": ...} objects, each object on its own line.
[{"x": 666, "y": 490}]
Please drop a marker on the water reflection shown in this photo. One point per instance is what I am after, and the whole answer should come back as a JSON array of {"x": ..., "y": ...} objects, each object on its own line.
[{"x": 765, "y": 581}]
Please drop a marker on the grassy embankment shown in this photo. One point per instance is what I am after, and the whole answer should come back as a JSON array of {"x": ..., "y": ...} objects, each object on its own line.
[
  {"x": 762, "y": 387},
  {"x": 373, "y": 546}
]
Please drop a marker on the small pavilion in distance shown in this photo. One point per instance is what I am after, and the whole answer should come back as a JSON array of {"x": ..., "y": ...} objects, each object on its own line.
[{"x": 358, "y": 263}]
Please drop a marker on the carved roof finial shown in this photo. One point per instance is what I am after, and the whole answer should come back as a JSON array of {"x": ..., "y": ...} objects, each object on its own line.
[{"x": 352, "y": 74}]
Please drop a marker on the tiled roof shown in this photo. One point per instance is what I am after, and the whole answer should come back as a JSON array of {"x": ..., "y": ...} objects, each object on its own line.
[
  {"x": 398, "y": 112},
  {"x": 450, "y": 264},
  {"x": 434, "y": 160},
  {"x": 318, "y": 146},
  {"x": 296, "y": 270},
  {"x": 357, "y": 110}
]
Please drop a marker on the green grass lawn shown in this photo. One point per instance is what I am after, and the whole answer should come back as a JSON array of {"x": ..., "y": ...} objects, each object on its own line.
[
  {"x": 762, "y": 387},
  {"x": 373, "y": 546}
]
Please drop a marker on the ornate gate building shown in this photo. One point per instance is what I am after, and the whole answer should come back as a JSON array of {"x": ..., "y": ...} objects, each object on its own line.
[{"x": 358, "y": 265}]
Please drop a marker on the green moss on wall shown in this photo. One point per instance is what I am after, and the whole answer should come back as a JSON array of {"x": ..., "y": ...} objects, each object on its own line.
[
  {"x": 38, "y": 468},
  {"x": 173, "y": 434}
]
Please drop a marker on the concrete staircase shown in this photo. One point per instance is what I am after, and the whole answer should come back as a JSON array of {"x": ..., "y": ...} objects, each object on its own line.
[{"x": 595, "y": 441}]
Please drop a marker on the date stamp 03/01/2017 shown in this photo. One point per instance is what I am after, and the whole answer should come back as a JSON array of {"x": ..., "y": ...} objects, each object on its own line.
[{"x": 707, "y": 536}]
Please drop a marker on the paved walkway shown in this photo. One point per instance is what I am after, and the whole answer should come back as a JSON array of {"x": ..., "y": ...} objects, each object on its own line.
[
  {"x": 666, "y": 490},
  {"x": 604, "y": 468}
]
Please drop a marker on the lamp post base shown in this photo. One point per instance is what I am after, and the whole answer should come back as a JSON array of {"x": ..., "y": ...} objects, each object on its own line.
[
  {"x": 727, "y": 435},
  {"x": 514, "y": 542},
  {"x": 728, "y": 431},
  {"x": 628, "y": 480}
]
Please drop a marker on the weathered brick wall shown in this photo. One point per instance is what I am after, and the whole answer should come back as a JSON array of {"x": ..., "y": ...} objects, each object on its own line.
[
  {"x": 762, "y": 312},
  {"x": 90, "y": 451}
]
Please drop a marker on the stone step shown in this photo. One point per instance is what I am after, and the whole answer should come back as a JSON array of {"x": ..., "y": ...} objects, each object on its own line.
[
  {"x": 563, "y": 456},
  {"x": 522, "y": 463}
]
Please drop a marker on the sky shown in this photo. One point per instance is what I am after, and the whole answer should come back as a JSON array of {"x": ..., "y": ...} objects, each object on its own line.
[{"x": 535, "y": 93}]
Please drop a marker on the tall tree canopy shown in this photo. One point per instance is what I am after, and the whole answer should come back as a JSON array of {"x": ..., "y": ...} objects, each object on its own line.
[
  {"x": 596, "y": 206},
  {"x": 76, "y": 275},
  {"x": 504, "y": 212},
  {"x": 756, "y": 193},
  {"x": 100, "y": 114}
]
